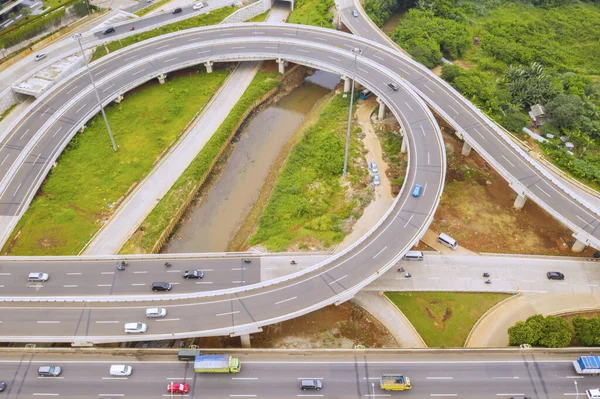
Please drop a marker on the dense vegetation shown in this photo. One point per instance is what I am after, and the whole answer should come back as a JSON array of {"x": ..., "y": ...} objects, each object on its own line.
[
  {"x": 517, "y": 54},
  {"x": 537, "y": 330},
  {"x": 73, "y": 200},
  {"x": 159, "y": 219},
  {"x": 310, "y": 198},
  {"x": 313, "y": 12}
]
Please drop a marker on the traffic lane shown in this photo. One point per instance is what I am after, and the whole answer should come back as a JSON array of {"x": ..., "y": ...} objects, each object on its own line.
[{"x": 101, "y": 277}]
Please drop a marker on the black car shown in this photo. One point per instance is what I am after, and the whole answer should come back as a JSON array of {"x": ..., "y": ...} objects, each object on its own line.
[
  {"x": 161, "y": 286},
  {"x": 2, "y": 386},
  {"x": 177, "y": 10},
  {"x": 555, "y": 276},
  {"x": 108, "y": 30},
  {"x": 193, "y": 274}
]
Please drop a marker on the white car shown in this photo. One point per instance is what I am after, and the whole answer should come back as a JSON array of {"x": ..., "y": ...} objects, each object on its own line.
[
  {"x": 155, "y": 313},
  {"x": 376, "y": 180},
  {"x": 39, "y": 56},
  {"x": 373, "y": 167},
  {"x": 120, "y": 370},
  {"x": 198, "y": 6},
  {"x": 135, "y": 328}
]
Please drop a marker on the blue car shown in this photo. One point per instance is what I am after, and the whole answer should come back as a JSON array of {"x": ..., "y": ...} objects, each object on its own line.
[{"x": 417, "y": 190}]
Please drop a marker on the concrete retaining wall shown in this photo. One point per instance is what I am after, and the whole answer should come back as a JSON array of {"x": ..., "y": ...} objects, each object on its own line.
[
  {"x": 246, "y": 13},
  {"x": 8, "y": 98}
]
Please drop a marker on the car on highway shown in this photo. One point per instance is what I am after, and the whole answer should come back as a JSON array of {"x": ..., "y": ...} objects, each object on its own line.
[
  {"x": 313, "y": 385},
  {"x": 156, "y": 313},
  {"x": 161, "y": 286},
  {"x": 188, "y": 274},
  {"x": 49, "y": 371},
  {"x": 417, "y": 190},
  {"x": 198, "y": 6},
  {"x": 108, "y": 30},
  {"x": 354, "y": 13},
  {"x": 593, "y": 393},
  {"x": 40, "y": 56},
  {"x": 38, "y": 277},
  {"x": 520, "y": 397},
  {"x": 120, "y": 370},
  {"x": 555, "y": 276},
  {"x": 2, "y": 386},
  {"x": 393, "y": 86},
  {"x": 178, "y": 387},
  {"x": 135, "y": 328},
  {"x": 176, "y": 10},
  {"x": 373, "y": 167},
  {"x": 376, "y": 180}
]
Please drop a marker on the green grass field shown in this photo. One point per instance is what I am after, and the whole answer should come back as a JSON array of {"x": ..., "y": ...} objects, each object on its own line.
[
  {"x": 444, "y": 319},
  {"x": 309, "y": 202},
  {"x": 212, "y": 18},
  {"x": 259, "y": 18},
  {"x": 78, "y": 193},
  {"x": 160, "y": 217}
]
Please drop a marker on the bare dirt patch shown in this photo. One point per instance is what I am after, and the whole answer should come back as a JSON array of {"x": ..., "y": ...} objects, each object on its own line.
[{"x": 477, "y": 210}]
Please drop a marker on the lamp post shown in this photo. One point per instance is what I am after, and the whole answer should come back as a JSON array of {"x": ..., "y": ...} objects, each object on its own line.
[
  {"x": 356, "y": 52},
  {"x": 373, "y": 389},
  {"x": 77, "y": 37},
  {"x": 576, "y": 389}
]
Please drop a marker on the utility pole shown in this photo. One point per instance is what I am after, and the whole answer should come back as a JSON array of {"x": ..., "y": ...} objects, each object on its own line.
[
  {"x": 356, "y": 52},
  {"x": 77, "y": 37}
]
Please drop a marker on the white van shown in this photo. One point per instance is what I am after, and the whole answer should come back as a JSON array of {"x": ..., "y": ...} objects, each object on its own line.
[
  {"x": 38, "y": 277},
  {"x": 593, "y": 393},
  {"x": 447, "y": 241},
  {"x": 120, "y": 370},
  {"x": 155, "y": 313},
  {"x": 413, "y": 255}
]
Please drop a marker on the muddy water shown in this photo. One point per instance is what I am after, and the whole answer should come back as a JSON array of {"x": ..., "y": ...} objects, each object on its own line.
[{"x": 211, "y": 224}]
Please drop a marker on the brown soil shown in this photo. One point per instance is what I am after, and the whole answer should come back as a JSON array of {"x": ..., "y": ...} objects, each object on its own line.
[{"x": 477, "y": 210}]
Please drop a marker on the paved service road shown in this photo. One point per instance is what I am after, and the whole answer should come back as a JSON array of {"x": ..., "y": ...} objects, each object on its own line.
[{"x": 278, "y": 376}]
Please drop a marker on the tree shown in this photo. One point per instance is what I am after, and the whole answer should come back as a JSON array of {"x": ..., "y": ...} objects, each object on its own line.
[
  {"x": 565, "y": 110},
  {"x": 557, "y": 333},
  {"x": 529, "y": 85},
  {"x": 587, "y": 331},
  {"x": 537, "y": 330},
  {"x": 514, "y": 121},
  {"x": 26, "y": 12},
  {"x": 451, "y": 72}
]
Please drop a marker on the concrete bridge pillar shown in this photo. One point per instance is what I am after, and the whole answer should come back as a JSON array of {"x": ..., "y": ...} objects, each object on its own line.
[
  {"x": 346, "y": 80},
  {"x": 404, "y": 145},
  {"x": 381, "y": 112},
  {"x": 208, "y": 65},
  {"x": 245, "y": 338},
  {"x": 466, "y": 149},
  {"x": 161, "y": 78},
  {"x": 281, "y": 63},
  {"x": 520, "y": 201},
  {"x": 119, "y": 99},
  {"x": 578, "y": 246}
]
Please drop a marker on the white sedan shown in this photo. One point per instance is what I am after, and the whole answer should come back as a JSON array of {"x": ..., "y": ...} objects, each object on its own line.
[{"x": 198, "y": 6}]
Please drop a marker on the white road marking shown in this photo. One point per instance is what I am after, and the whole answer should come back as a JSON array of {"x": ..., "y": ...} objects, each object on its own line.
[
  {"x": 70, "y": 286},
  {"x": 19, "y": 186},
  {"x": 379, "y": 58},
  {"x": 204, "y": 51},
  {"x": 377, "y": 394},
  {"x": 138, "y": 72},
  {"x": 289, "y": 34},
  {"x": 428, "y": 88},
  {"x": 514, "y": 378},
  {"x": 335, "y": 281},
  {"x": 286, "y": 300},
  {"x": 107, "y": 272},
  {"x": 141, "y": 272},
  {"x": 228, "y": 313},
  {"x": 168, "y": 319},
  {"x": 239, "y": 47},
  {"x": 310, "y": 378},
  {"x": 411, "y": 110},
  {"x": 115, "y": 378},
  {"x": 179, "y": 378},
  {"x": 380, "y": 252},
  {"x": 573, "y": 376},
  {"x": 333, "y": 58},
  {"x": 506, "y": 159},
  {"x": 4, "y": 160},
  {"x": 48, "y": 322},
  {"x": 539, "y": 188},
  {"x": 510, "y": 394},
  {"x": 428, "y": 159},
  {"x": 363, "y": 70},
  {"x": 138, "y": 284},
  {"x": 477, "y": 131},
  {"x": 45, "y": 394},
  {"x": 107, "y": 322},
  {"x": 271, "y": 47},
  {"x": 238, "y": 281},
  {"x": 443, "y": 394},
  {"x": 80, "y": 108},
  {"x": 103, "y": 285},
  {"x": 111, "y": 394},
  {"x": 108, "y": 88},
  {"x": 204, "y": 282},
  {"x": 23, "y": 135},
  {"x": 453, "y": 109},
  {"x": 582, "y": 219},
  {"x": 408, "y": 221},
  {"x": 5, "y": 274},
  {"x": 55, "y": 133},
  {"x": 73, "y": 89},
  {"x": 439, "y": 378},
  {"x": 244, "y": 378},
  {"x": 239, "y": 268},
  {"x": 303, "y": 51},
  {"x": 321, "y": 39},
  {"x": 170, "y": 59},
  {"x": 130, "y": 58},
  {"x": 173, "y": 271},
  {"x": 98, "y": 73},
  {"x": 163, "y": 46},
  {"x": 422, "y": 130}
]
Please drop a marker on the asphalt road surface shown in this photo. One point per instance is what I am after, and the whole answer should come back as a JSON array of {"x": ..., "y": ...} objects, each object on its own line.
[{"x": 343, "y": 376}]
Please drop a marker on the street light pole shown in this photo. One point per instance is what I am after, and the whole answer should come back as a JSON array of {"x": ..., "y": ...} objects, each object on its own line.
[
  {"x": 373, "y": 389},
  {"x": 356, "y": 52},
  {"x": 77, "y": 37},
  {"x": 576, "y": 389}
]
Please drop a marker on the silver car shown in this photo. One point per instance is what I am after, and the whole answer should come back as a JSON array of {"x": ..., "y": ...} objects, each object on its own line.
[
  {"x": 376, "y": 180},
  {"x": 373, "y": 167}
]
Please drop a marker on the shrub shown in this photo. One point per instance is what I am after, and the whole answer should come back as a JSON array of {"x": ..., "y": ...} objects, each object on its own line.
[{"x": 537, "y": 330}]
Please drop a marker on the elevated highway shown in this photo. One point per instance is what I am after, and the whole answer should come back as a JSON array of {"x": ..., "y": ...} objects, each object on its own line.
[{"x": 56, "y": 116}]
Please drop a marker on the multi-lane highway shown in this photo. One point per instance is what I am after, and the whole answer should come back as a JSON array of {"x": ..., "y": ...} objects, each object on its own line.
[{"x": 344, "y": 375}]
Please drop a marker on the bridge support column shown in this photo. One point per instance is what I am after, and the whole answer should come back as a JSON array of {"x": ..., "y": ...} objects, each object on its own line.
[
  {"x": 346, "y": 84},
  {"x": 466, "y": 149},
  {"x": 281, "y": 63},
  {"x": 578, "y": 246},
  {"x": 161, "y": 78},
  {"x": 208, "y": 65},
  {"x": 119, "y": 99},
  {"x": 381, "y": 112},
  {"x": 520, "y": 201},
  {"x": 404, "y": 145},
  {"x": 245, "y": 338}
]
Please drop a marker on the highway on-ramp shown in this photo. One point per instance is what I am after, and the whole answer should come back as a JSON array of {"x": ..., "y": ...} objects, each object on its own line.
[{"x": 57, "y": 115}]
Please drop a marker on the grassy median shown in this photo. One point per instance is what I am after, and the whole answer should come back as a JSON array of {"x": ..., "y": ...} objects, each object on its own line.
[
  {"x": 212, "y": 18},
  {"x": 444, "y": 319},
  {"x": 310, "y": 204},
  {"x": 90, "y": 177},
  {"x": 150, "y": 231}
]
